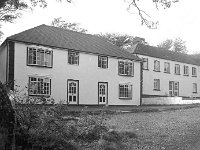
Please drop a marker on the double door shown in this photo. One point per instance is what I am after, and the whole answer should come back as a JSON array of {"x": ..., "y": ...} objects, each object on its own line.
[{"x": 173, "y": 88}]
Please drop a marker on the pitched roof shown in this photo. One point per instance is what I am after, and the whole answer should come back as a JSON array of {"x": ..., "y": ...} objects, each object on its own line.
[
  {"x": 67, "y": 39},
  {"x": 164, "y": 54}
]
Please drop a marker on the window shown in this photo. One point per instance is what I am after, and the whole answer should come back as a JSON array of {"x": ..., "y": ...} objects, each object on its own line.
[
  {"x": 126, "y": 68},
  {"x": 40, "y": 57},
  {"x": 156, "y": 65},
  {"x": 145, "y": 63},
  {"x": 125, "y": 91},
  {"x": 186, "y": 70},
  {"x": 73, "y": 57},
  {"x": 194, "y": 71},
  {"x": 39, "y": 86},
  {"x": 167, "y": 67},
  {"x": 103, "y": 62},
  {"x": 157, "y": 84},
  {"x": 194, "y": 87},
  {"x": 177, "y": 69}
]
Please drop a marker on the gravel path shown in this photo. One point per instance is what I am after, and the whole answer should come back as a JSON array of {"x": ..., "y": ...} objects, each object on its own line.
[{"x": 167, "y": 130}]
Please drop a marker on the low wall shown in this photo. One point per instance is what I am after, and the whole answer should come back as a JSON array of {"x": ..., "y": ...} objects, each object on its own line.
[{"x": 168, "y": 101}]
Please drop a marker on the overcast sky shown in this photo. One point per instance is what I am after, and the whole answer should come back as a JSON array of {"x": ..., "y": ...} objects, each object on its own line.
[{"x": 181, "y": 20}]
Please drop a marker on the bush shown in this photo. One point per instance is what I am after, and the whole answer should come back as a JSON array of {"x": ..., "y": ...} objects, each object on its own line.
[{"x": 90, "y": 127}]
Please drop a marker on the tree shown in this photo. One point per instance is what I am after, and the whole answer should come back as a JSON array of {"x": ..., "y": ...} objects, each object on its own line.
[
  {"x": 58, "y": 22},
  {"x": 167, "y": 44},
  {"x": 177, "y": 45},
  {"x": 122, "y": 40},
  {"x": 145, "y": 18}
]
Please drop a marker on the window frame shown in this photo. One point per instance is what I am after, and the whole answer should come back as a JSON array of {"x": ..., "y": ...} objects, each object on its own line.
[
  {"x": 194, "y": 72},
  {"x": 186, "y": 70},
  {"x": 175, "y": 69},
  {"x": 156, "y": 85},
  {"x": 44, "y": 86},
  {"x": 194, "y": 87},
  {"x": 125, "y": 93},
  {"x": 127, "y": 68},
  {"x": 100, "y": 62},
  {"x": 166, "y": 67},
  {"x": 37, "y": 59},
  {"x": 156, "y": 67},
  {"x": 145, "y": 62},
  {"x": 73, "y": 57}
]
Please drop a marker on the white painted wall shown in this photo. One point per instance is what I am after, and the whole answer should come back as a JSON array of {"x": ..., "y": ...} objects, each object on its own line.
[
  {"x": 87, "y": 72},
  {"x": 3, "y": 56},
  {"x": 185, "y": 82},
  {"x": 168, "y": 101}
]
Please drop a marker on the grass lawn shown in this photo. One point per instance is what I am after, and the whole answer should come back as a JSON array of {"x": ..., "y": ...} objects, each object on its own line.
[{"x": 163, "y": 130}]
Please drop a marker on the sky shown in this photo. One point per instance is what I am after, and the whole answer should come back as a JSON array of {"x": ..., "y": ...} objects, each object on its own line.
[{"x": 108, "y": 16}]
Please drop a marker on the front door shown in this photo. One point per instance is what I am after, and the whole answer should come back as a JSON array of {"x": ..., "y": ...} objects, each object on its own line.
[
  {"x": 173, "y": 88},
  {"x": 72, "y": 90},
  {"x": 103, "y": 92}
]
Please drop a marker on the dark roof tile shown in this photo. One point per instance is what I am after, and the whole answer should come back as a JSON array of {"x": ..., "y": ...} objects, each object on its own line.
[
  {"x": 67, "y": 39},
  {"x": 165, "y": 54}
]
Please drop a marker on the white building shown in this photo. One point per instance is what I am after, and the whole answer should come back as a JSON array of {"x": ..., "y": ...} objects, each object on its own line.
[
  {"x": 75, "y": 67},
  {"x": 167, "y": 74}
]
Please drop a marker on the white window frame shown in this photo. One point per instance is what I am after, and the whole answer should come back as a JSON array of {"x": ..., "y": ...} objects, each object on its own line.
[
  {"x": 73, "y": 57},
  {"x": 125, "y": 91},
  {"x": 186, "y": 70},
  {"x": 156, "y": 65},
  {"x": 166, "y": 67},
  {"x": 103, "y": 62},
  {"x": 39, "y": 86},
  {"x": 194, "y": 71},
  {"x": 194, "y": 89},
  {"x": 156, "y": 85},
  {"x": 126, "y": 68},
  {"x": 177, "y": 69},
  {"x": 145, "y": 63},
  {"x": 39, "y": 56}
]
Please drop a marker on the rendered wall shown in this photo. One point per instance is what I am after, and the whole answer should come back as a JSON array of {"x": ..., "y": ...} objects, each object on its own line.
[
  {"x": 87, "y": 72},
  {"x": 185, "y": 82},
  {"x": 168, "y": 101}
]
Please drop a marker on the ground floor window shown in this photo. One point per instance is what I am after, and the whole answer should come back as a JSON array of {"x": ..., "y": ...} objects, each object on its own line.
[
  {"x": 39, "y": 86},
  {"x": 125, "y": 91}
]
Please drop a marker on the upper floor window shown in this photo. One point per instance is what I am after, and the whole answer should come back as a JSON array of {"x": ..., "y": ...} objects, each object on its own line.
[
  {"x": 126, "y": 68},
  {"x": 145, "y": 63},
  {"x": 125, "y": 91},
  {"x": 177, "y": 69},
  {"x": 194, "y": 71},
  {"x": 102, "y": 62},
  {"x": 167, "y": 67},
  {"x": 39, "y": 86},
  {"x": 194, "y": 88},
  {"x": 186, "y": 70},
  {"x": 157, "y": 84},
  {"x": 40, "y": 57},
  {"x": 156, "y": 65},
  {"x": 73, "y": 57}
]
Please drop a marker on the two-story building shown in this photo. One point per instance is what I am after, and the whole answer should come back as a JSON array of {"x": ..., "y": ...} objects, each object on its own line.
[
  {"x": 167, "y": 73},
  {"x": 66, "y": 65}
]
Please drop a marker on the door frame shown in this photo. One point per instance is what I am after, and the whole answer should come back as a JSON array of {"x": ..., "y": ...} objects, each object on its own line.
[
  {"x": 77, "y": 91},
  {"x": 106, "y": 93}
]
